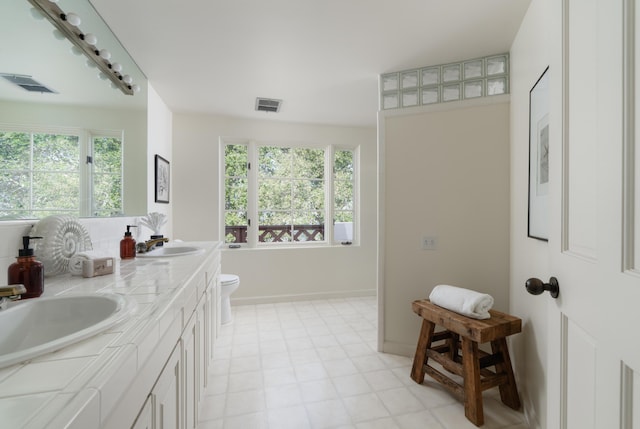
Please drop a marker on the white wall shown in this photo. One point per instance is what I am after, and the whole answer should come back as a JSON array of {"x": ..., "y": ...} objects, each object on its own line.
[
  {"x": 529, "y": 257},
  {"x": 272, "y": 274},
  {"x": 160, "y": 142},
  {"x": 445, "y": 174}
]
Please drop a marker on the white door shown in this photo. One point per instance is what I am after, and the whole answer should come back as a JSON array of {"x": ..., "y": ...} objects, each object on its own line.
[{"x": 593, "y": 373}]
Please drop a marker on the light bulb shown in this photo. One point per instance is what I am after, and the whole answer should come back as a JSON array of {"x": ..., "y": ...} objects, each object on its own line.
[
  {"x": 91, "y": 39},
  {"x": 36, "y": 14},
  {"x": 58, "y": 34},
  {"x": 76, "y": 50},
  {"x": 135, "y": 87},
  {"x": 91, "y": 64},
  {"x": 116, "y": 67},
  {"x": 105, "y": 54},
  {"x": 73, "y": 19},
  {"x": 127, "y": 79},
  {"x": 102, "y": 76}
]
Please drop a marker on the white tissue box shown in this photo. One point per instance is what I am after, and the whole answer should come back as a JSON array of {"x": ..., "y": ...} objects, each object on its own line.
[{"x": 97, "y": 267}]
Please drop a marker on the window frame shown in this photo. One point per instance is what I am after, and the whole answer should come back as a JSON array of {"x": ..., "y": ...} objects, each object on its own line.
[
  {"x": 85, "y": 169},
  {"x": 253, "y": 185}
]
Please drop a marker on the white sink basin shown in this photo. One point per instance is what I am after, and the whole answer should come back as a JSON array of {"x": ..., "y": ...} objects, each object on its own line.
[
  {"x": 33, "y": 327},
  {"x": 165, "y": 251}
]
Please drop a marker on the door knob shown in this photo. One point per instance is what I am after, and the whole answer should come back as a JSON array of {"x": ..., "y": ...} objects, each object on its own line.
[{"x": 536, "y": 286}]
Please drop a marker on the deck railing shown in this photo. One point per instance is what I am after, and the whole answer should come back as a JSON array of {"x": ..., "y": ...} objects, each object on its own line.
[{"x": 276, "y": 233}]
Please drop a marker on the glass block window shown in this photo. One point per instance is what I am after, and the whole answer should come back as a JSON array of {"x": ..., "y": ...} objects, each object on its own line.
[{"x": 479, "y": 77}]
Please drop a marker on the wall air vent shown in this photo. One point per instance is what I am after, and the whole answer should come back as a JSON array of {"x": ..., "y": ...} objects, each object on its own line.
[
  {"x": 268, "y": 105},
  {"x": 27, "y": 83}
]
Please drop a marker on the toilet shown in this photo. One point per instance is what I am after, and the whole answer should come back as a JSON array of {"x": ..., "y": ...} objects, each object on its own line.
[{"x": 228, "y": 284}]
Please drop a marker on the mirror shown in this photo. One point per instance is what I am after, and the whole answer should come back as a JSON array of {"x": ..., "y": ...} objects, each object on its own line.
[{"x": 81, "y": 100}]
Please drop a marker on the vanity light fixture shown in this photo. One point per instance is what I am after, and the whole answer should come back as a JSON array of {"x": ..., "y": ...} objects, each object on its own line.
[{"x": 67, "y": 24}]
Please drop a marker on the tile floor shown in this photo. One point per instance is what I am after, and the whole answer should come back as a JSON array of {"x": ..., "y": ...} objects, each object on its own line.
[{"x": 314, "y": 364}]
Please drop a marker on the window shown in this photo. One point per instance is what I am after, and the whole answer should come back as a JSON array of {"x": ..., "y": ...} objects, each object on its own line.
[
  {"x": 284, "y": 194},
  {"x": 42, "y": 173}
]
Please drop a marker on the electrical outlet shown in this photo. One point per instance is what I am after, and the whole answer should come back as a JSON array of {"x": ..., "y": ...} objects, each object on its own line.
[{"x": 429, "y": 242}]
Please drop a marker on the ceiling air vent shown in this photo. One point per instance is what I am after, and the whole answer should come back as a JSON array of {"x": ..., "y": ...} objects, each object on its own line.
[
  {"x": 27, "y": 83},
  {"x": 268, "y": 105}
]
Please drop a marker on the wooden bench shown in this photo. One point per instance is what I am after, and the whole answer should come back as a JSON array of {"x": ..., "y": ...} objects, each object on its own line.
[{"x": 464, "y": 334}]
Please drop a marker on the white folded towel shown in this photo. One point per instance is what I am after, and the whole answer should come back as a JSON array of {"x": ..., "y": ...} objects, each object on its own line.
[
  {"x": 75, "y": 262},
  {"x": 464, "y": 301}
]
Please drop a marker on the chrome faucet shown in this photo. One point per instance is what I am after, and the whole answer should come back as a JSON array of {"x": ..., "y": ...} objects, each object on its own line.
[
  {"x": 10, "y": 293},
  {"x": 149, "y": 244}
]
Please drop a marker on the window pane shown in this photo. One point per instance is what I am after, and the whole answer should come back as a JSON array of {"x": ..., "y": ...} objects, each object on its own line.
[
  {"x": 236, "y": 227},
  {"x": 343, "y": 166},
  {"x": 236, "y": 192},
  {"x": 107, "y": 155},
  {"x": 274, "y": 194},
  {"x": 107, "y": 200},
  {"x": 236, "y": 158},
  {"x": 52, "y": 191},
  {"x": 308, "y": 194},
  {"x": 274, "y": 161},
  {"x": 15, "y": 151},
  {"x": 56, "y": 152},
  {"x": 344, "y": 196},
  {"x": 308, "y": 226},
  {"x": 14, "y": 197},
  {"x": 275, "y": 226},
  {"x": 107, "y": 176},
  {"x": 308, "y": 163}
]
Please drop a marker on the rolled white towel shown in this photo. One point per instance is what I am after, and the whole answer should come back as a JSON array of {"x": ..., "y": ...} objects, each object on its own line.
[
  {"x": 464, "y": 301},
  {"x": 75, "y": 262}
]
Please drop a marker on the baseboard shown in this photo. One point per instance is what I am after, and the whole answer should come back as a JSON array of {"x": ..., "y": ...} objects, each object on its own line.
[
  {"x": 401, "y": 349},
  {"x": 270, "y": 299}
]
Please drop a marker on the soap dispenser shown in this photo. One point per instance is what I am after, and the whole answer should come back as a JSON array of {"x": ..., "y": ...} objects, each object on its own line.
[
  {"x": 128, "y": 245},
  {"x": 27, "y": 271}
]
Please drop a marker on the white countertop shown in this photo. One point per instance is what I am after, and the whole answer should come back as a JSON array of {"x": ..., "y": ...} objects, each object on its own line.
[{"x": 93, "y": 374}]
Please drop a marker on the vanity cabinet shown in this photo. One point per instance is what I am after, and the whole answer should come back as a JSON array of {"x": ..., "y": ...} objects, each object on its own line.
[{"x": 175, "y": 397}]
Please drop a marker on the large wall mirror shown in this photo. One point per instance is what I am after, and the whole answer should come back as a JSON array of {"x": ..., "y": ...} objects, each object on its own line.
[{"x": 84, "y": 118}]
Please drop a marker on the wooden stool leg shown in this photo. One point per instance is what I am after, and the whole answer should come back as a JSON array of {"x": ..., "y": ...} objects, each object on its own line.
[
  {"x": 420, "y": 359},
  {"x": 453, "y": 346},
  {"x": 472, "y": 389},
  {"x": 508, "y": 391}
]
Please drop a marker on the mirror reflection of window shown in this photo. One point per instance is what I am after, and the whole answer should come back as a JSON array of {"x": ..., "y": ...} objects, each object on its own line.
[{"x": 43, "y": 173}]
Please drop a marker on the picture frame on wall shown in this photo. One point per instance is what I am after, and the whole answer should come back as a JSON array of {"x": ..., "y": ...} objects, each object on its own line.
[
  {"x": 163, "y": 178},
  {"x": 538, "y": 218}
]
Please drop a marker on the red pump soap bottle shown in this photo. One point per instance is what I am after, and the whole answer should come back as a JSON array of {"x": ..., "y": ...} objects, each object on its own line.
[
  {"x": 128, "y": 245},
  {"x": 27, "y": 271}
]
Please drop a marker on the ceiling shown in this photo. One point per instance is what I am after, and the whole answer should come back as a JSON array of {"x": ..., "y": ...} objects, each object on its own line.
[
  {"x": 322, "y": 58},
  {"x": 31, "y": 48}
]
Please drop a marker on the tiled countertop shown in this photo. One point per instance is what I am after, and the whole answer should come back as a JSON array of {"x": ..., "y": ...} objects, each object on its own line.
[{"x": 83, "y": 382}]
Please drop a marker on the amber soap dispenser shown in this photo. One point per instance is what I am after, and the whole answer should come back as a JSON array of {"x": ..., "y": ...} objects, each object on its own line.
[
  {"x": 27, "y": 271},
  {"x": 128, "y": 245}
]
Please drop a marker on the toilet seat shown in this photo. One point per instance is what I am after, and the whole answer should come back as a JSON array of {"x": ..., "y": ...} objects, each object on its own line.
[{"x": 229, "y": 279}]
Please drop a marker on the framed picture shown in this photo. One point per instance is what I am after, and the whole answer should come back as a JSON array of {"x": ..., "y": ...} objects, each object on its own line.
[
  {"x": 538, "y": 223},
  {"x": 162, "y": 180}
]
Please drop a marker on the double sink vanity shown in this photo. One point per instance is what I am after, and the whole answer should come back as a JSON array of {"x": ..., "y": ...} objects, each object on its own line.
[{"x": 132, "y": 349}]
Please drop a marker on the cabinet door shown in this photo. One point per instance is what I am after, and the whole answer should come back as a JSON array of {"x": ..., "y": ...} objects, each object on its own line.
[
  {"x": 204, "y": 343},
  {"x": 190, "y": 365},
  {"x": 145, "y": 418},
  {"x": 167, "y": 394}
]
